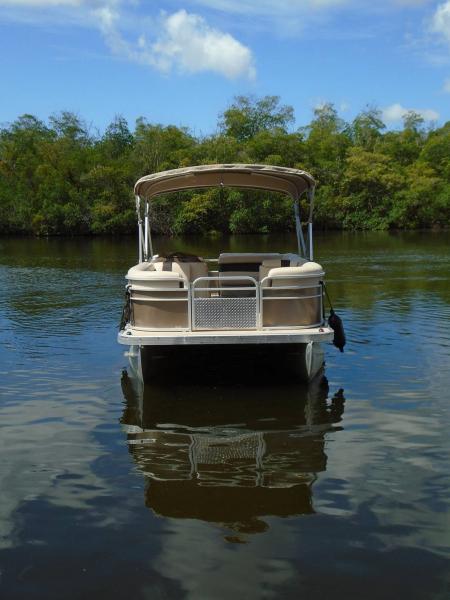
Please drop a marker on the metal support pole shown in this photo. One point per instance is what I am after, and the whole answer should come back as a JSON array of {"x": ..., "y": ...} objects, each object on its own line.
[
  {"x": 146, "y": 232},
  {"x": 138, "y": 213},
  {"x": 150, "y": 245},
  {"x": 310, "y": 223},
  {"x": 298, "y": 229}
]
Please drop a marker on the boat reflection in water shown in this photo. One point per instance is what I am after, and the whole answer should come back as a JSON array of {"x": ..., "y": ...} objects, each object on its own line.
[{"x": 230, "y": 454}]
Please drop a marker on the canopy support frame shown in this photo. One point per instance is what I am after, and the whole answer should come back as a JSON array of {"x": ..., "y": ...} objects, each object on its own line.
[
  {"x": 279, "y": 179},
  {"x": 140, "y": 234},
  {"x": 310, "y": 194},
  {"x": 298, "y": 229},
  {"x": 145, "y": 238}
]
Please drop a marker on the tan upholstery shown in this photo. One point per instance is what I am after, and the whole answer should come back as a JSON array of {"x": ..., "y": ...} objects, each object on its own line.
[
  {"x": 149, "y": 310},
  {"x": 183, "y": 269},
  {"x": 156, "y": 309},
  {"x": 272, "y": 263},
  {"x": 293, "y": 311},
  {"x": 308, "y": 272},
  {"x": 262, "y": 262},
  {"x": 240, "y": 261},
  {"x": 144, "y": 275},
  {"x": 198, "y": 269},
  {"x": 155, "y": 269},
  {"x": 188, "y": 270}
]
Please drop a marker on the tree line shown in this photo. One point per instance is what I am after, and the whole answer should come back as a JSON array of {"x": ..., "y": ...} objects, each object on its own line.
[{"x": 61, "y": 178}]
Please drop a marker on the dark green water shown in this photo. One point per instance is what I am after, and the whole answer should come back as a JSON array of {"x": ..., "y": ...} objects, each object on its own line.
[{"x": 215, "y": 486}]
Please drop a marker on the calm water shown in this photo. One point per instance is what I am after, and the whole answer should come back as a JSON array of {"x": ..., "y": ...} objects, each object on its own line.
[{"x": 214, "y": 486}]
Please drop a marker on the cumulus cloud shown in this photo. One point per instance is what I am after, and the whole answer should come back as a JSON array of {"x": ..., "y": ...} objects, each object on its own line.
[
  {"x": 190, "y": 45},
  {"x": 440, "y": 22},
  {"x": 396, "y": 112},
  {"x": 184, "y": 42}
]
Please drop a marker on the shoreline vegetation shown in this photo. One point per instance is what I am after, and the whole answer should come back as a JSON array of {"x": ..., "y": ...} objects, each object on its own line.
[{"x": 59, "y": 178}]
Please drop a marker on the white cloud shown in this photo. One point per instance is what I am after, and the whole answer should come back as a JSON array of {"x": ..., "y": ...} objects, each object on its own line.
[
  {"x": 447, "y": 86},
  {"x": 183, "y": 41},
  {"x": 186, "y": 43},
  {"x": 440, "y": 22},
  {"x": 396, "y": 112},
  {"x": 190, "y": 45}
]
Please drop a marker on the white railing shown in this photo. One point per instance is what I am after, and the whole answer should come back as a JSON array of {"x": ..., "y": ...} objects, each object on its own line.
[
  {"x": 265, "y": 287},
  {"x": 218, "y": 302},
  {"x": 225, "y": 306}
]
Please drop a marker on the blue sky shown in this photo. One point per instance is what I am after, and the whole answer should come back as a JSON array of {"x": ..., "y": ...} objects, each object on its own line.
[{"x": 183, "y": 62}]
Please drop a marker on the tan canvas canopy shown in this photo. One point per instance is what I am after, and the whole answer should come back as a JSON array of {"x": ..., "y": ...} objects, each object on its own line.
[{"x": 293, "y": 182}]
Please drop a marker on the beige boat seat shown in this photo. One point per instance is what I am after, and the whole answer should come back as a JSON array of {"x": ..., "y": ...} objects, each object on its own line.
[
  {"x": 144, "y": 275},
  {"x": 250, "y": 265},
  {"x": 284, "y": 261},
  {"x": 307, "y": 272},
  {"x": 293, "y": 306},
  {"x": 186, "y": 270},
  {"x": 239, "y": 265},
  {"x": 189, "y": 270}
]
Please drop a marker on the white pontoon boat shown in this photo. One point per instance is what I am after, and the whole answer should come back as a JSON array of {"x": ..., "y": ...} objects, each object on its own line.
[{"x": 235, "y": 299}]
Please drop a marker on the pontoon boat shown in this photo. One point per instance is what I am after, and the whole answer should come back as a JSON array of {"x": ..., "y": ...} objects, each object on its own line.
[{"x": 273, "y": 300}]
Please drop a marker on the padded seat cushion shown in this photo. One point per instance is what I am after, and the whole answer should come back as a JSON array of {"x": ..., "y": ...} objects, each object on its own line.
[
  {"x": 255, "y": 264},
  {"x": 143, "y": 276},
  {"x": 146, "y": 272},
  {"x": 307, "y": 273},
  {"x": 306, "y": 269},
  {"x": 187, "y": 270}
]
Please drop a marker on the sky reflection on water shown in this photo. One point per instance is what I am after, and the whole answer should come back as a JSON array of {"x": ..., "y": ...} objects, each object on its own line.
[{"x": 209, "y": 488}]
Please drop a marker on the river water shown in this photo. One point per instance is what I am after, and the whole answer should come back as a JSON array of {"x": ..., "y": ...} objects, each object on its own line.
[{"x": 223, "y": 484}]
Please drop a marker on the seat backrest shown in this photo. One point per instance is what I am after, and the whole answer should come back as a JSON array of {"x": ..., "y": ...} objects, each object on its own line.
[
  {"x": 188, "y": 270},
  {"x": 285, "y": 260},
  {"x": 245, "y": 263},
  {"x": 306, "y": 274}
]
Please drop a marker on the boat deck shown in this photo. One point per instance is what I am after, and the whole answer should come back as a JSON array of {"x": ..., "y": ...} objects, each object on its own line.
[{"x": 132, "y": 336}]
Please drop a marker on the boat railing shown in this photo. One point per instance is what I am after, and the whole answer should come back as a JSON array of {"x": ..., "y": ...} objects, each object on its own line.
[
  {"x": 231, "y": 303},
  {"x": 308, "y": 293},
  {"x": 219, "y": 302},
  {"x": 241, "y": 302}
]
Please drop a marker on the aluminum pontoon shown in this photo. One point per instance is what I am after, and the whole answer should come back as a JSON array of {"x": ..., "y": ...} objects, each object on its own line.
[{"x": 235, "y": 299}]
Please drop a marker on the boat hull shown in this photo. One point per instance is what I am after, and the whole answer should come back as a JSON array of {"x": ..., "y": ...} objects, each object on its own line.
[{"x": 227, "y": 363}]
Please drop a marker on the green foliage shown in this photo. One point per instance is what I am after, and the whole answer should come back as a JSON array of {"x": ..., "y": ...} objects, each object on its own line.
[
  {"x": 366, "y": 128},
  {"x": 60, "y": 178},
  {"x": 246, "y": 117}
]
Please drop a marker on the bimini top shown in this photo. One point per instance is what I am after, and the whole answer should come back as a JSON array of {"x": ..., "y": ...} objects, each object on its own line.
[{"x": 277, "y": 179}]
